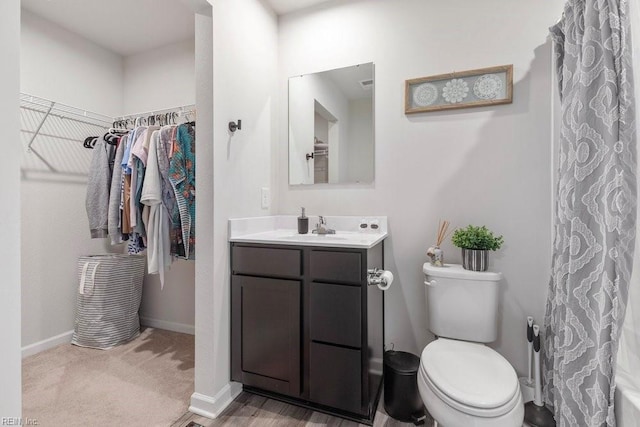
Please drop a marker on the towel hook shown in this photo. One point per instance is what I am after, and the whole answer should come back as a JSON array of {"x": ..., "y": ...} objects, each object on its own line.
[{"x": 233, "y": 126}]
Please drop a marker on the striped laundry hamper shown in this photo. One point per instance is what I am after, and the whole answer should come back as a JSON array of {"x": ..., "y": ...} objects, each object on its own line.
[{"x": 108, "y": 300}]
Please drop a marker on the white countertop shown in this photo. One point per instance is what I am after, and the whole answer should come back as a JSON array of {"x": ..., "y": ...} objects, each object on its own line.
[{"x": 283, "y": 230}]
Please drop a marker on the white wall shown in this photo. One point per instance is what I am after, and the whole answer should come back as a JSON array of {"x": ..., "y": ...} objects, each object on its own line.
[
  {"x": 205, "y": 285},
  {"x": 244, "y": 77},
  {"x": 487, "y": 165},
  {"x": 63, "y": 67},
  {"x": 160, "y": 78},
  {"x": 10, "y": 378},
  {"x": 153, "y": 80}
]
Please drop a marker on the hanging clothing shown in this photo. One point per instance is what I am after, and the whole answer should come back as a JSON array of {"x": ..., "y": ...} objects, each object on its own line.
[
  {"x": 126, "y": 205},
  {"x": 137, "y": 239},
  {"x": 139, "y": 154},
  {"x": 142, "y": 192},
  {"x": 127, "y": 152},
  {"x": 114, "y": 216},
  {"x": 135, "y": 245},
  {"x": 158, "y": 223},
  {"x": 141, "y": 135},
  {"x": 164, "y": 151},
  {"x": 98, "y": 187},
  {"x": 125, "y": 202},
  {"x": 182, "y": 172},
  {"x": 141, "y": 149}
]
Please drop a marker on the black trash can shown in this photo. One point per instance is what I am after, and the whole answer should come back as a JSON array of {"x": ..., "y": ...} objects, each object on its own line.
[{"x": 401, "y": 397}]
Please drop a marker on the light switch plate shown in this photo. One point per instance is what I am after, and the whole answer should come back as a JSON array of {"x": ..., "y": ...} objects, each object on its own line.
[{"x": 265, "y": 197}]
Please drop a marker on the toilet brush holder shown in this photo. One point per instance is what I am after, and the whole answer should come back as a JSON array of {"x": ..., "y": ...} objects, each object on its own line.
[
  {"x": 527, "y": 388},
  {"x": 527, "y": 384},
  {"x": 538, "y": 416},
  {"x": 535, "y": 413}
]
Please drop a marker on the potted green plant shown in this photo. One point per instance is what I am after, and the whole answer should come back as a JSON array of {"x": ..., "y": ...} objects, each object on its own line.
[{"x": 476, "y": 242}]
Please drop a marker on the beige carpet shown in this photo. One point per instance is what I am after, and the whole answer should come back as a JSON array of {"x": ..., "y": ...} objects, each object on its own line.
[{"x": 146, "y": 382}]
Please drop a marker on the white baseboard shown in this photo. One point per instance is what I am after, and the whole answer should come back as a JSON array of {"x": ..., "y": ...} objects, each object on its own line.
[
  {"x": 169, "y": 326},
  {"x": 65, "y": 337},
  {"x": 35, "y": 348},
  {"x": 211, "y": 407}
]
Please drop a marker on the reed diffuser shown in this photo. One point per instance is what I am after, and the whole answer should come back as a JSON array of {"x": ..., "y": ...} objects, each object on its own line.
[{"x": 435, "y": 254}]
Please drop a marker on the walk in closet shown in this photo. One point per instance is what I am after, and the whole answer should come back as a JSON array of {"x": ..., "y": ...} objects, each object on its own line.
[{"x": 88, "y": 69}]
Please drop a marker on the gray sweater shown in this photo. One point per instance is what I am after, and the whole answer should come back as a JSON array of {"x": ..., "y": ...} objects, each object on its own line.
[{"x": 98, "y": 189}]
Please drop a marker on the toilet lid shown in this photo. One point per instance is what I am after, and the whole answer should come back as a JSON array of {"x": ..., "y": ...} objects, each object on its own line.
[{"x": 470, "y": 373}]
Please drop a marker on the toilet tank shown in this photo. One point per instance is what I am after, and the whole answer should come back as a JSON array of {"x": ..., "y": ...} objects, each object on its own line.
[{"x": 462, "y": 304}]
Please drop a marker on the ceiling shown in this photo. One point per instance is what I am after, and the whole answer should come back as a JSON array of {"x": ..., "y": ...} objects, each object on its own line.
[
  {"x": 286, "y": 6},
  {"x": 149, "y": 23},
  {"x": 142, "y": 24}
]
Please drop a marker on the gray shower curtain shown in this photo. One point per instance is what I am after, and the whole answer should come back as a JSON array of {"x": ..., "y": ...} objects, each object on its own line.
[{"x": 595, "y": 211}]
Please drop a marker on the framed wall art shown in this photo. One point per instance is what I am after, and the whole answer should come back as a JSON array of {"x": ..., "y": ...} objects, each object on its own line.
[{"x": 473, "y": 88}]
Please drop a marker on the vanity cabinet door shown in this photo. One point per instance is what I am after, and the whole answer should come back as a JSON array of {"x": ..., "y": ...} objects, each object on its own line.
[
  {"x": 335, "y": 316},
  {"x": 335, "y": 377},
  {"x": 266, "y": 333}
]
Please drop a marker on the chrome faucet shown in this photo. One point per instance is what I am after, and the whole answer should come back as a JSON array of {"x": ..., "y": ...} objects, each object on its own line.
[{"x": 321, "y": 227}]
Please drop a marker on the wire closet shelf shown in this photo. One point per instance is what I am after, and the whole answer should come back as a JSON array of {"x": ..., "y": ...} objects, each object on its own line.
[
  {"x": 53, "y": 134},
  {"x": 49, "y": 119}
]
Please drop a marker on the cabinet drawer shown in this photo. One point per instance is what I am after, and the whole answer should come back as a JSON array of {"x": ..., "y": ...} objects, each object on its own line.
[
  {"x": 335, "y": 314},
  {"x": 334, "y": 266},
  {"x": 266, "y": 261},
  {"x": 335, "y": 377}
]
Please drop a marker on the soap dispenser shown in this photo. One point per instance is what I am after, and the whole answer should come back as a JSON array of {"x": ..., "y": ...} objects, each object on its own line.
[{"x": 303, "y": 223}]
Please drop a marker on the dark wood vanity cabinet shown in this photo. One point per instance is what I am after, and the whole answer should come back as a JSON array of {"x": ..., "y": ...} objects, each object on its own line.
[
  {"x": 266, "y": 289},
  {"x": 269, "y": 346},
  {"x": 306, "y": 328}
]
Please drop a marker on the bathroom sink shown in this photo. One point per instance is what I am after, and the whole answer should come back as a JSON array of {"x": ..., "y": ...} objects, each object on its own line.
[
  {"x": 346, "y": 239},
  {"x": 318, "y": 237},
  {"x": 282, "y": 230}
]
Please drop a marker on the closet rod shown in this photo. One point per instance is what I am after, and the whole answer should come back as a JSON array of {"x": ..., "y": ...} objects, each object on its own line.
[
  {"x": 190, "y": 108},
  {"x": 61, "y": 110}
]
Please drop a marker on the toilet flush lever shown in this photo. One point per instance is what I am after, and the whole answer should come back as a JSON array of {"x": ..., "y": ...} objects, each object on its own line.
[{"x": 430, "y": 282}]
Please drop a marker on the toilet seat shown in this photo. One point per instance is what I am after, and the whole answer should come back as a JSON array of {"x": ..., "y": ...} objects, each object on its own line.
[
  {"x": 470, "y": 377},
  {"x": 471, "y": 410}
]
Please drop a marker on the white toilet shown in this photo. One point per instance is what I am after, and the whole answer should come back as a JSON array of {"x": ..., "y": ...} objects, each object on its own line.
[{"x": 462, "y": 382}]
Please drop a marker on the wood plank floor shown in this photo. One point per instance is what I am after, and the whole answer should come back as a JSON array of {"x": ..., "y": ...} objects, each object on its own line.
[{"x": 253, "y": 410}]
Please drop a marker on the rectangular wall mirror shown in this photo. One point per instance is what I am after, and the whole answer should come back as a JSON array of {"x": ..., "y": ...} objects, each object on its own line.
[{"x": 331, "y": 126}]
